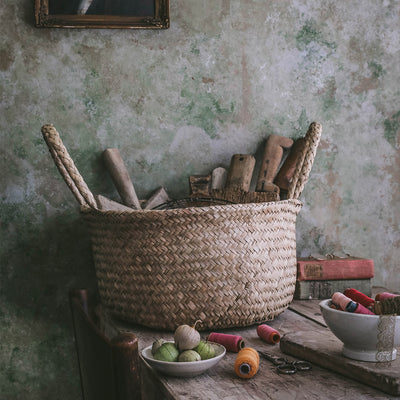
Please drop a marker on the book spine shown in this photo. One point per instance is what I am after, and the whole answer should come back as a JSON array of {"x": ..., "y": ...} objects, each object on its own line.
[
  {"x": 334, "y": 269},
  {"x": 319, "y": 290}
]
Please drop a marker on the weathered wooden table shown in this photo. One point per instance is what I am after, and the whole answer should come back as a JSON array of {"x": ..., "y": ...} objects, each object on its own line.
[{"x": 300, "y": 322}]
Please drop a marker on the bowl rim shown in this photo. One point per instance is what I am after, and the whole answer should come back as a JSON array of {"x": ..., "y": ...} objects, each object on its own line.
[{"x": 324, "y": 304}]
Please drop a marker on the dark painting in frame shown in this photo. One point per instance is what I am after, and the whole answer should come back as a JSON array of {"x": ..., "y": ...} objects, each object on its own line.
[{"x": 130, "y": 14}]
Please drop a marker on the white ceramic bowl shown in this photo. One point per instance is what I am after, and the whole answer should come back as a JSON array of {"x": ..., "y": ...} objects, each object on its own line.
[
  {"x": 184, "y": 369},
  {"x": 359, "y": 334}
]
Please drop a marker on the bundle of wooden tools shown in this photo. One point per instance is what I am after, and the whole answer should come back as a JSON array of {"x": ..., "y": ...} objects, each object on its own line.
[{"x": 233, "y": 185}]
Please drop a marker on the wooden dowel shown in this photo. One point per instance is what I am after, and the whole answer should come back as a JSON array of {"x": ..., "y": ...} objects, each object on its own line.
[{"x": 120, "y": 176}]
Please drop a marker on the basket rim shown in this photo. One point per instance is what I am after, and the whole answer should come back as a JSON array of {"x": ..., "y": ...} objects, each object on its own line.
[{"x": 84, "y": 209}]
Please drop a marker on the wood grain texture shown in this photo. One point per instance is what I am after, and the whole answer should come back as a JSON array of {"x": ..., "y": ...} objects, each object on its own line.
[
  {"x": 221, "y": 382},
  {"x": 159, "y": 196},
  {"x": 286, "y": 171},
  {"x": 240, "y": 172},
  {"x": 200, "y": 185},
  {"x": 120, "y": 176},
  {"x": 272, "y": 157},
  {"x": 106, "y": 204},
  {"x": 324, "y": 349}
]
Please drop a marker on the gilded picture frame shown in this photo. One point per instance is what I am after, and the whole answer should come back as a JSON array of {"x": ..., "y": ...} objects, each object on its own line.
[{"x": 128, "y": 14}]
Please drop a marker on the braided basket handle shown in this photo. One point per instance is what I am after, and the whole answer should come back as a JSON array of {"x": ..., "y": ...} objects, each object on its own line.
[
  {"x": 67, "y": 168},
  {"x": 305, "y": 161}
]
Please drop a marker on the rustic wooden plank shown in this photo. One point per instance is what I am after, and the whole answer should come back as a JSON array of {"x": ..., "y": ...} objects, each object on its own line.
[
  {"x": 159, "y": 196},
  {"x": 241, "y": 197},
  {"x": 221, "y": 382},
  {"x": 308, "y": 309},
  {"x": 240, "y": 172},
  {"x": 106, "y": 204},
  {"x": 324, "y": 349}
]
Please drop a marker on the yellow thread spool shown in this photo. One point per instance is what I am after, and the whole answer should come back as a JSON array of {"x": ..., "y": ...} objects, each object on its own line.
[{"x": 247, "y": 362}]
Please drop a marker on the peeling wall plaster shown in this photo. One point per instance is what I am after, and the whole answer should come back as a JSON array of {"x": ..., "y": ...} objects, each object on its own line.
[{"x": 227, "y": 74}]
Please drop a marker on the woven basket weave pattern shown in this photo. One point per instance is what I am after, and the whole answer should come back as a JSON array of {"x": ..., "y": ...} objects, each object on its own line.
[
  {"x": 197, "y": 260},
  {"x": 227, "y": 265}
]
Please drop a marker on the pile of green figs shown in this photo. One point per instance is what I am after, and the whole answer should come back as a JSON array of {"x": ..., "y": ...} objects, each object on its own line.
[{"x": 187, "y": 346}]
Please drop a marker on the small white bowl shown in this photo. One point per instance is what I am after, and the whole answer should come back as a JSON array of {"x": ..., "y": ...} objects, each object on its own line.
[
  {"x": 184, "y": 369},
  {"x": 359, "y": 334}
]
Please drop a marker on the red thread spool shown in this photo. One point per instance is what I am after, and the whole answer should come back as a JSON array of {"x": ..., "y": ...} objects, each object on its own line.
[
  {"x": 384, "y": 295},
  {"x": 268, "y": 334},
  {"x": 359, "y": 297},
  {"x": 232, "y": 343}
]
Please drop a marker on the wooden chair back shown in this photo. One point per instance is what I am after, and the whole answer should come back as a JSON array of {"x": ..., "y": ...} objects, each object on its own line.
[{"x": 109, "y": 367}]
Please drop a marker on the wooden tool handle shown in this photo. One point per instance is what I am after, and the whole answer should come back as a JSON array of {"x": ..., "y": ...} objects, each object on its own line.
[
  {"x": 120, "y": 176},
  {"x": 272, "y": 157},
  {"x": 286, "y": 172},
  {"x": 240, "y": 172}
]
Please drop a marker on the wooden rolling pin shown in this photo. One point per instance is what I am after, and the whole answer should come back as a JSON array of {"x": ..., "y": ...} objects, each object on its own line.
[
  {"x": 120, "y": 176},
  {"x": 273, "y": 153}
]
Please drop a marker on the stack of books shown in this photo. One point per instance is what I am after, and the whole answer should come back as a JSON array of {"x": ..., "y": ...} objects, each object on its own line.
[{"x": 319, "y": 278}]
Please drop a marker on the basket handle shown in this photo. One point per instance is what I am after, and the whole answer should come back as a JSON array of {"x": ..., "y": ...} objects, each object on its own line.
[
  {"x": 67, "y": 168},
  {"x": 305, "y": 161}
]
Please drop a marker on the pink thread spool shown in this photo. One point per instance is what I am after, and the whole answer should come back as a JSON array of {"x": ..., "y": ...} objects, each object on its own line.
[
  {"x": 232, "y": 343},
  {"x": 346, "y": 304},
  {"x": 340, "y": 300},
  {"x": 384, "y": 295},
  {"x": 359, "y": 297},
  {"x": 268, "y": 334}
]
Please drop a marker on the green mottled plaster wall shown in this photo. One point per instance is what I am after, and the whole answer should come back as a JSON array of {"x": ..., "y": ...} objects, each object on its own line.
[{"x": 227, "y": 74}]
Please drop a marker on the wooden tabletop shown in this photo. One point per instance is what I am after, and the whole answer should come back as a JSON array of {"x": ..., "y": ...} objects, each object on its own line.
[{"x": 302, "y": 318}]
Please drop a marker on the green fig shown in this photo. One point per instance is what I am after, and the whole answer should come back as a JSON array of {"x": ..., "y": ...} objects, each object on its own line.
[
  {"x": 205, "y": 349},
  {"x": 156, "y": 345},
  {"x": 167, "y": 352},
  {"x": 189, "y": 355}
]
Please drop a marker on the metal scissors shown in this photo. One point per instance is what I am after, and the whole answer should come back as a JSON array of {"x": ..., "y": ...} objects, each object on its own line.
[{"x": 284, "y": 366}]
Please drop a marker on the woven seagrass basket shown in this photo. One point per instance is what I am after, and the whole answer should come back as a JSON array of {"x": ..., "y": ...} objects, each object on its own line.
[{"x": 227, "y": 265}]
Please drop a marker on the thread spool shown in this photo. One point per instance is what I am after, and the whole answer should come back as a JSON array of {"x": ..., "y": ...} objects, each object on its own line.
[
  {"x": 270, "y": 335},
  {"x": 232, "y": 343},
  {"x": 358, "y": 308},
  {"x": 247, "y": 363},
  {"x": 359, "y": 297},
  {"x": 340, "y": 300},
  {"x": 390, "y": 305},
  {"x": 384, "y": 295}
]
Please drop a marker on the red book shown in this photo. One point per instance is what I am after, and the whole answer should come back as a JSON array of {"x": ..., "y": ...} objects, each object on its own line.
[{"x": 313, "y": 269}]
